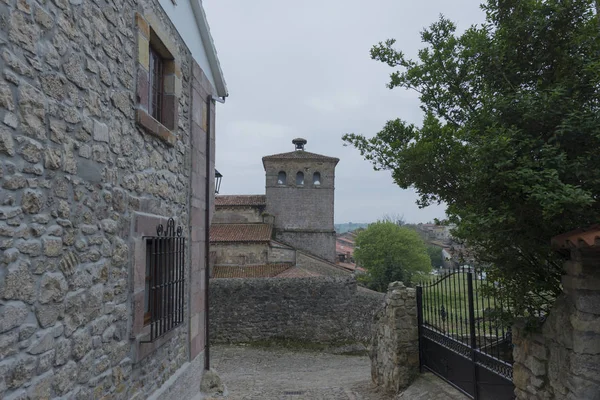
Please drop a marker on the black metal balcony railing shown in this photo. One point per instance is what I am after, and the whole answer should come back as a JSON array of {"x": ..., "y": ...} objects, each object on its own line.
[{"x": 165, "y": 270}]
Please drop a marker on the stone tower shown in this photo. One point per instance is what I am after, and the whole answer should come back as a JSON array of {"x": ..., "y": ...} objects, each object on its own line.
[{"x": 300, "y": 195}]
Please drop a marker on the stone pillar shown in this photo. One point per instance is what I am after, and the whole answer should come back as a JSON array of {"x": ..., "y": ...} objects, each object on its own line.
[
  {"x": 394, "y": 349},
  {"x": 563, "y": 360},
  {"x": 201, "y": 108}
]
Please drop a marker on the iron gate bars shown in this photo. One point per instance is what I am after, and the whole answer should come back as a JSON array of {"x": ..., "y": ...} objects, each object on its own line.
[
  {"x": 464, "y": 336},
  {"x": 165, "y": 279}
]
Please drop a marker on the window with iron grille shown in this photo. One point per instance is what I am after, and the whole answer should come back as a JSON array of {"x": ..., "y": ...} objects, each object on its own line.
[
  {"x": 165, "y": 280},
  {"x": 156, "y": 85}
]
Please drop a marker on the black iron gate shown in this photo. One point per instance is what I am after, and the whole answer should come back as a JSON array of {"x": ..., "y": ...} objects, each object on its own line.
[{"x": 462, "y": 334}]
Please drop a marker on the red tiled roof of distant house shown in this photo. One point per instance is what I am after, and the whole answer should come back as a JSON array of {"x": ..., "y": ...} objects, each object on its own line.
[
  {"x": 341, "y": 249},
  {"x": 345, "y": 241},
  {"x": 301, "y": 154},
  {"x": 241, "y": 200},
  {"x": 249, "y": 271},
  {"x": 240, "y": 233},
  {"x": 349, "y": 266},
  {"x": 297, "y": 272}
]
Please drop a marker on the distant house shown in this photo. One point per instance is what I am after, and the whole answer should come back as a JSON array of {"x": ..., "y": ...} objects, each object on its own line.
[{"x": 436, "y": 233}]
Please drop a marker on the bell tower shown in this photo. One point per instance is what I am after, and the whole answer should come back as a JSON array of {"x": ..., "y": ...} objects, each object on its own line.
[{"x": 300, "y": 195}]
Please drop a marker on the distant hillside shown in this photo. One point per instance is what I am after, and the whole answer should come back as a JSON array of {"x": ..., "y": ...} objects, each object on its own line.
[{"x": 349, "y": 226}]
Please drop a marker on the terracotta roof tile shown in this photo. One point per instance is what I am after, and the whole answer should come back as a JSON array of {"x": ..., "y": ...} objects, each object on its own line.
[
  {"x": 249, "y": 271},
  {"x": 241, "y": 200},
  {"x": 300, "y": 155},
  {"x": 232, "y": 233},
  {"x": 588, "y": 237},
  {"x": 297, "y": 272}
]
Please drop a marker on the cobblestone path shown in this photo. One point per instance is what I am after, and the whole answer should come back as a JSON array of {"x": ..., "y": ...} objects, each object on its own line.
[{"x": 251, "y": 373}]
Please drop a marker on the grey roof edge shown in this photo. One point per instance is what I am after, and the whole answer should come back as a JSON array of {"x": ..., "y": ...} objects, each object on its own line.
[
  {"x": 316, "y": 157},
  {"x": 209, "y": 47}
]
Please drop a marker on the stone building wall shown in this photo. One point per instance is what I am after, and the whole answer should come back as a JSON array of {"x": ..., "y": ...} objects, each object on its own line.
[
  {"x": 76, "y": 171},
  {"x": 238, "y": 215},
  {"x": 252, "y": 254},
  {"x": 562, "y": 361},
  {"x": 319, "y": 310},
  {"x": 304, "y": 214},
  {"x": 321, "y": 244},
  {"x": 394, "y": 349}
]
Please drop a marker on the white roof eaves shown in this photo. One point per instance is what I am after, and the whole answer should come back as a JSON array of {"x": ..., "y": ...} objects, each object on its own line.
[{"x": 209, "y": 47}]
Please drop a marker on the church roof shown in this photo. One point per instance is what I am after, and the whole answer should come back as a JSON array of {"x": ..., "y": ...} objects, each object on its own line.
[
  {"x": 241, "y": 200},
  {"x": 240, "y": 233},
  {"x": 300, "y": 155},
  {"x": 249, "y": 271}
]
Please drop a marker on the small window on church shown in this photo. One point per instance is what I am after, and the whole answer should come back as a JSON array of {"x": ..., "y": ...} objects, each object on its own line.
[
  {"x": 317, "y": 179},
  {"x": 281, "y": 178},
  {"x": 300, "y": 178}
]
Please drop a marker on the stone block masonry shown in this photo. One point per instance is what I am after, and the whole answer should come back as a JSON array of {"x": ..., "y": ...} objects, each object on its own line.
[
  {"x": 394, "y": 348},
  {"x": 332, "y": 311},
  {"x": 562, "y": 360},
  {"x": 76, "y": 168}
]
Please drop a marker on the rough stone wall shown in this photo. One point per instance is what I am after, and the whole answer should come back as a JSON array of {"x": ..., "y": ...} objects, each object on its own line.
[
  {"x": 301, "y": 207},
  {"x": 394, "y": 350},
  {"x": 321, "y": 244},
  {"x": 240, "y": 253},
  {"x": 304, "y": 214},
  {"x": 237, "y": 215},
  {"x": 251, "y": 254},
  {"x": 74, "y": 168},
  {"x": 320, "y": 310},
  {"x": 563, "y": 360},
  {"x": 319, "y": 266},
  {"x": 279, "y": 253}
]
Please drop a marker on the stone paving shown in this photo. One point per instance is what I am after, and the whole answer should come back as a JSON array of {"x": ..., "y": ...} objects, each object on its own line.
[{"x": 251, "y": 373}]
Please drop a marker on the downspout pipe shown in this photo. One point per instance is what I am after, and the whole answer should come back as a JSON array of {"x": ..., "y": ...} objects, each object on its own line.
[
  {"x": 209, "y": 126},
  {"x": 209, "y": 123}
]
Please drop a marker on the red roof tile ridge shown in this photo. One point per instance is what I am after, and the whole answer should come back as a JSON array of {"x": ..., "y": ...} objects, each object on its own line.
[
  {"x": 582, "y": 237},
  {"x": 240, "y": 200},
  {"x": 244, "y": 232},
  {"x": 300, "y": 154},
  {"x": 249, "y": 271}
]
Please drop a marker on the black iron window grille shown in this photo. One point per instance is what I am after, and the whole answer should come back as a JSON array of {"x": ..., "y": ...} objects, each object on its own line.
[
  {"x": 165, "y": 280},
  {"x": 156, "y": 84}
]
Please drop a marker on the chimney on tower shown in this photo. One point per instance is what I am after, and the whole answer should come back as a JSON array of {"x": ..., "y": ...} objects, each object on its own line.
[{"x": 299, "y": 143}]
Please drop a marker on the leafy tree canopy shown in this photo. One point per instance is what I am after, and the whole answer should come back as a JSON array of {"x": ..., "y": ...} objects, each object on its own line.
[
  {"x": 390, "y": 253},
  {"x": 510, "y": 139},
  {"x": 435, "y": 254}
]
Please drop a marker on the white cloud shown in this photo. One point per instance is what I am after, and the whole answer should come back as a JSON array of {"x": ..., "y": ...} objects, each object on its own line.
[
  {"x": 303, "y": 69},
  {"x": 335, "y": 103}
]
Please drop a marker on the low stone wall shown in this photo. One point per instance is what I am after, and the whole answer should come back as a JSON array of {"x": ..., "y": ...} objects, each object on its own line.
[
  {"x": 394, "y": 349},
  {"x": 324, "y": 310},
  {"x": 562, "y": 361}
]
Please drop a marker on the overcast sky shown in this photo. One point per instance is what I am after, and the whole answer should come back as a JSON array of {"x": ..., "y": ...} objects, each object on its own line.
[{"x": 302, "y": 69}]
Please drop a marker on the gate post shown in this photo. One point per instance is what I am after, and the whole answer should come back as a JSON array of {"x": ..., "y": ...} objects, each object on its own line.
[
  {"x": 419, "y": 324},
  {"x": 473, "y": 340}
]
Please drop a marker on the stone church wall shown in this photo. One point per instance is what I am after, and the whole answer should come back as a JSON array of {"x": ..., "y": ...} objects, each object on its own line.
[
  {"x": 251, "y": 254},
  {"x": 237, "y": 215},
  {"x": 321, "y": 244}
]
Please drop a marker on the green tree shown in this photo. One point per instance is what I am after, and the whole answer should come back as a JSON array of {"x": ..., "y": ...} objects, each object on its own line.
[
  {"x": 510, "y": 137},
  {"x": 435, "y": 255},
  {"x": 390, "y": 253}
]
